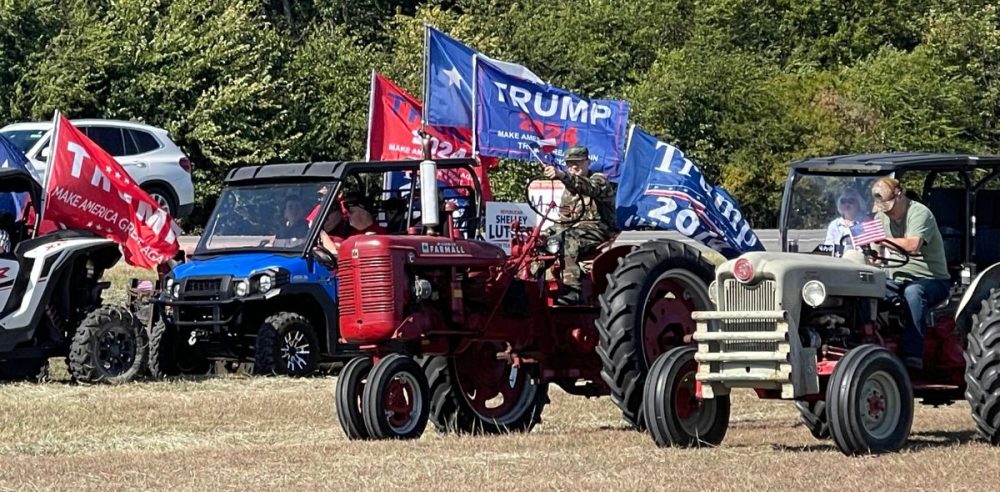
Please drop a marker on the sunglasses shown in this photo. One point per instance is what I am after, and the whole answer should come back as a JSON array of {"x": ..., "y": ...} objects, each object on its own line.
[
  {"x": 879, "y": 197},
  {"x": 848, "y": 201}
]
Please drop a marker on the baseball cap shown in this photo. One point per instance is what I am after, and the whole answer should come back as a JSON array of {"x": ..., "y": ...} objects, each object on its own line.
[
  {"x": 884, "y": 196},
  {"x": 577, "y": 153}
]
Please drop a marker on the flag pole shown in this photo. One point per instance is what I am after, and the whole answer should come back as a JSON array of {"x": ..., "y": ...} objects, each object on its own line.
[
  {"x": 53, "y": 140},
  {"x": 371, "y": 110},
  {"x": 474, "y": 83},
  {"x": 427, "y": 71}
]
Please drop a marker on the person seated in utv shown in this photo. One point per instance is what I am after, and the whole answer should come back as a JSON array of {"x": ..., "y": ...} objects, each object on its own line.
[
  {"x": 295, "y": 226},
  {"x": 924, "y": 280},
  {"x": 587, "y": 209},
  {"x": 850, "y": 207}
]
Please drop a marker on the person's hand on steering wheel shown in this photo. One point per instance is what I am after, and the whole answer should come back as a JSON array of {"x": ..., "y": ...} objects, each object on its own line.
[
  {"x": 888, "y": 261},
  {"x": 552, "y": 172}
]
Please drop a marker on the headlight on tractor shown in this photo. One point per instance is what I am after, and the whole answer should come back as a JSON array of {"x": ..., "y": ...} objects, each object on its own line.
[
  {"x": 814, "y": 293},
  {"x": 713, "y": 293},
  {"x": 242, "y": 288},
  {"x": 552, "y": 245},
  {"x": 265, "y": 283}
]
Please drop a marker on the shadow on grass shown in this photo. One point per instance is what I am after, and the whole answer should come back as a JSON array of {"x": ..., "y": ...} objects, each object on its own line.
[{"x": 917, "y": 441}]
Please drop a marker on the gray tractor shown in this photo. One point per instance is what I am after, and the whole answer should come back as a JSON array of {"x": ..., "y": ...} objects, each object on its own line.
[{"x": 811, "y": 324}]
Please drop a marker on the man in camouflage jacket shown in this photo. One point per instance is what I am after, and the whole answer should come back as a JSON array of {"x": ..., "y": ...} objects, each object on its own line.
[{"x": 587, "y": 210}]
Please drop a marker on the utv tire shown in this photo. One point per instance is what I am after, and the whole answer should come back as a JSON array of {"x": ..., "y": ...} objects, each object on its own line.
[
  {"x": 812, "y": 414},
  {"x": 286, "y": 344},
  {"x": 350, "y": 388},
  {"x": 635, "y": 327},
  {"x": 675, "y": 417},
  {"x": 109, "y": 346},
  {"x": 869, "y": 402},
  {"x": 396, "y": 400},
  {"x": 170, "y": 354},
  {"x": 982, "y": 368}
]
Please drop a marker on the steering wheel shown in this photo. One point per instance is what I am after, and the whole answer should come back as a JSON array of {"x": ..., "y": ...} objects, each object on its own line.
[
  {"x": 571, "y": 220},
  {"x": 324, "y": 256},
  {"x": 892, "y": 262}
]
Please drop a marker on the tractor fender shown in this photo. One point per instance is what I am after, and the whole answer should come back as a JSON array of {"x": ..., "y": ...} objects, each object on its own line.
[
  {"x": 978, "y": 291},
  {"x": 605, "y": 263}
]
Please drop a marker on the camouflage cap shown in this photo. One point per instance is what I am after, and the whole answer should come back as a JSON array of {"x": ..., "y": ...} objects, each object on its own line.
[{"x": 577, "y": 153}]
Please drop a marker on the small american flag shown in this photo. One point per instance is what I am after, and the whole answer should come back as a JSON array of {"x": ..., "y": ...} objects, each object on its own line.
[{"x": 867, "y": 232}]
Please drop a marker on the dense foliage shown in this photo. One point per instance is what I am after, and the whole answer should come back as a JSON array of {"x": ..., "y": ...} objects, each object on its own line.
[{"x": 743, "y": 86}]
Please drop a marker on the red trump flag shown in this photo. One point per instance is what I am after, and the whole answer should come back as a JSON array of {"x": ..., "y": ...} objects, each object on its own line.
[
  {"x": 88, "y": 189},
  {"x": 394, "y": 133}
]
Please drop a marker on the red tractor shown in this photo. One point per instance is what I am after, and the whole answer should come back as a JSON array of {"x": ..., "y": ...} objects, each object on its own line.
[{"x": 457, "y": 332}]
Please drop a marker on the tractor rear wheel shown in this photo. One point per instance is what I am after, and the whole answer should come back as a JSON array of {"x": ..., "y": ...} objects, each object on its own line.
[
  {"x": 812, "y": 414},
  {"x": 350, "y": 388},
  {"x": 869, "y": 402},
  {"x": 496, "y": 396},
  {"x": 645, "y": 311},
  {"x": 286, "y": 344},
  {"x": 109, "y": 346},
  {"x": 982, "y": 368},
  {"x": 675, "y": 416},
  {"x": 446, "y": 413},
  {"x": 396, "y": 399}
]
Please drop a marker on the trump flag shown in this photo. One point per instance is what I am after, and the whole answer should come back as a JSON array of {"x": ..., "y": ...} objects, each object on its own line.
[
  {"x": 514, "y": 117},
  {"x": 12, "y": 157},
  {"x": 661, "y": 188},
  {"x": 448, "y": 79},
  {"x": 88, "y": 189}
]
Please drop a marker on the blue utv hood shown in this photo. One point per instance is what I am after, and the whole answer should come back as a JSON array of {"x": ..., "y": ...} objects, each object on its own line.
[{"x": 242, "y": 265}]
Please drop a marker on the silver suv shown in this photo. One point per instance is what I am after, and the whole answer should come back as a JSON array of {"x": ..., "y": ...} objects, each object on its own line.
[{"x": 147, "y": 153}]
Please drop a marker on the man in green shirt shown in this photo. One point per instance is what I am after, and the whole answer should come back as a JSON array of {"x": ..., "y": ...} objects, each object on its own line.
[{"x": 924, "y": 280}]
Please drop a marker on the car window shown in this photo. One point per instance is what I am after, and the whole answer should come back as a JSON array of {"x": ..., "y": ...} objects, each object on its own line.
[
  {"x": 24, "y": 139},
  {"x": 144, "y": 141},
  {"x": 108, "y": 138}
]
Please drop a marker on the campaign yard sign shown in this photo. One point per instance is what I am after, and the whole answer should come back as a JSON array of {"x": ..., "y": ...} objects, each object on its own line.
[{"x": 499, "y": 217}]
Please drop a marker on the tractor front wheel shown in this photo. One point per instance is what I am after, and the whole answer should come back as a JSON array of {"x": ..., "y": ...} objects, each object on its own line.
[
  {"x": 645, "y": 311},
  {"x": 109, "y": 346},
  {"x": 675, "y": 416},
  {"x": 869, "y": 402},
  {"x": 982, "y": 376},
  {"x": 350, "y": 387},
  {"x": 395, "y": 401}
]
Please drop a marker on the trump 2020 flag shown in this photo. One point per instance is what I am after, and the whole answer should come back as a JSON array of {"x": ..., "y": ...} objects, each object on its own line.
[
  {"x": 12, "y": 157},
  {"x": 394, "y": 134},
  {"x": 867, "y": 232},
  {"x": 448, "y": 79},
  {"x": 515, "y": 116},
  {"x": 660, "y": 188},
  {"x": 88, "y": 189}
]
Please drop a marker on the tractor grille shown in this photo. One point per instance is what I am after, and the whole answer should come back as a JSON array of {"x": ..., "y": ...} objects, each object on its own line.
[
  {"x": 738, "y": 296},
  {"x": 373, "y": 283}
]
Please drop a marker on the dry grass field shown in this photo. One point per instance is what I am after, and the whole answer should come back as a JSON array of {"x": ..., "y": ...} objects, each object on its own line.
[{"x": 240, "y": 433}]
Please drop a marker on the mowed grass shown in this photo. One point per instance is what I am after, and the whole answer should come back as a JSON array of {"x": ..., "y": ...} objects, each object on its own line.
[{"x": 241, "y": 433}]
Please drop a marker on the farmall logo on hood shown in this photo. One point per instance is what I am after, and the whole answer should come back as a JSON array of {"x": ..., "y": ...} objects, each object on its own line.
[{"x": 442, "y": 248}]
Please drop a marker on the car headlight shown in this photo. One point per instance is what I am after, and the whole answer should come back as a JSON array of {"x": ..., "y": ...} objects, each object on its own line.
[
  {"x": 814, "y": 293},
  {"x": 265, "y": 283},
  {"x": 242, "y": 287},
  {"x": 169, "y": 286},
  {"x": 713, "y": 292},
  {"x": 176, "y": 290},
  {"x": 552, "y": 245}
]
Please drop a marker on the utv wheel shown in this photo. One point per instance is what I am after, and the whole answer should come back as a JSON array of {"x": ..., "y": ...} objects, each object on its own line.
[
  {"x": 396, "y": 399},
  {"x": 286, "y": 344},
  {"x": 350, "y": 388},
  {"x": 171, "y": 355},
  {"x": 812, "y": 414},
  {"x": 109, "y": 346},
  {"x": 645, "y": 311},
  {"x": 870, "y": 402},
  {"x": 484, "y": 394},
  {"x": 675, "y": 416},
  {"x": 982, "y": 368}
]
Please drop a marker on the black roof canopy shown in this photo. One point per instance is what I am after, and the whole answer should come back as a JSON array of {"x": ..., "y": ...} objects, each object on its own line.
[
  {"x": 325, "y": 171},
  {"x": 896, "y": 161}
]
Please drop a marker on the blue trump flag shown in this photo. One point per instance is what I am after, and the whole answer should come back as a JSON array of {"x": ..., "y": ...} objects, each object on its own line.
[
  {"x": 448, "y": 79},
  {"x": 515, "y": 116},
  {"x": 661, "y": 188},
  {"x": 12, "y": 157}
]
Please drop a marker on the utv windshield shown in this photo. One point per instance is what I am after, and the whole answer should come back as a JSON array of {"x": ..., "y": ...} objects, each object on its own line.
[
  {"x": 272, "y": 217},
  {"x": 822, "y": 207}
]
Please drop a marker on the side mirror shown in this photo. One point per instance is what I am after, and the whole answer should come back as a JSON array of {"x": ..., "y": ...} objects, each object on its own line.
[{"x": 428, "y": 194}]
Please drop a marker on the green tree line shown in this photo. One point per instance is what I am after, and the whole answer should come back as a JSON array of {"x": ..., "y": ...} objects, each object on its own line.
[{"x": 742, "y": 86}]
